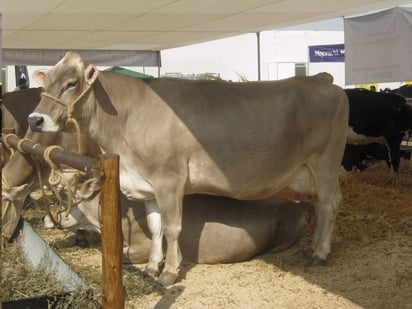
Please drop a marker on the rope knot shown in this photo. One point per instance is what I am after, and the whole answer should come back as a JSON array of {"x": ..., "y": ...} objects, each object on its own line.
[
  {"x": 6, "y": 142},
  {"x": 55, "y": 174}
]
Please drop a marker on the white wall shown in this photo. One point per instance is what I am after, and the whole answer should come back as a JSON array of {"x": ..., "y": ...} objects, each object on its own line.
[
  {"x": 231, "y": 58},
  {"x": 285, "y": 48}
]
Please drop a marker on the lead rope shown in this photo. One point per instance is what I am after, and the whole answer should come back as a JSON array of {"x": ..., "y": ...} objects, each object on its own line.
[
  {"x": 56, "y": 177},
  {"x": 45, "y": 200},
  {"x": 19, "y": 147},
  {"x": 5, "y": 207},
  {"x": 9, "y": 147}
]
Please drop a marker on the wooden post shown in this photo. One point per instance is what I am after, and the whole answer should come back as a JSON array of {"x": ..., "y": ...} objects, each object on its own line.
[
  {"x": 111, "y": 234},
  {"x": 6, "y": 153}
]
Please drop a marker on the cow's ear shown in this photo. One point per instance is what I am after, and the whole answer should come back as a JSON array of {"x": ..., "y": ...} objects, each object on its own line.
[
  {"x": 16, "y": 193},
  {"x": 87, "y": 188},
  {"x": 91, "y": 74},
  {"x": 39, "y": 76}
]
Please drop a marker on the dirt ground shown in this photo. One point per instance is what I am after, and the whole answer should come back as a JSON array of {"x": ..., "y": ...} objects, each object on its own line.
[{"x": 370, "y": 265}]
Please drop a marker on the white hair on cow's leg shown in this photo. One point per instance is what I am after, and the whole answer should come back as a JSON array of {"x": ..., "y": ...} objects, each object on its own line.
[{"x": 154, "y": 223}]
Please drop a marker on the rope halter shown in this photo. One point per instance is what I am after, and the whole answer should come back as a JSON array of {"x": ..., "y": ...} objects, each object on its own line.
[
  {"x": 70, "y": 111},
  {"x": 70, "y": 107}
]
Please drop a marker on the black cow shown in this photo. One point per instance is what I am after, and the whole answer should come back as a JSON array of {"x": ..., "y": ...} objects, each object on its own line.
[
  {"x": 405, "y": 91},
  {"x": 359, "y": 157},
  {"x": 376, "y": 117}
]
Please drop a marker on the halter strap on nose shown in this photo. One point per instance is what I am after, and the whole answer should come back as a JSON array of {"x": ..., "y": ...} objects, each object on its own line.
[{"x": 70, "y": 107}]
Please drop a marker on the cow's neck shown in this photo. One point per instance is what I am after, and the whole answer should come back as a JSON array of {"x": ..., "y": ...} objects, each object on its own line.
[
  {"x": 109, "y": 114},
  {"x": 109, "y": 126}
]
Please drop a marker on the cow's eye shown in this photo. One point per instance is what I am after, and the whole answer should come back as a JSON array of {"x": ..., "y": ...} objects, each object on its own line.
[{"x": 71, "y": 85}]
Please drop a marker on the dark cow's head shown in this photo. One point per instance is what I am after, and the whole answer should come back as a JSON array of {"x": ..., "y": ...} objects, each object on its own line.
[
  {"x": 67, "y": 85},
  {"x": 406, "y": 118}
]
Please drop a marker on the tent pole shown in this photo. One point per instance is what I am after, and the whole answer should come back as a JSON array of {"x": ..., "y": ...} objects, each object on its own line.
[{"x": 258, "y": 54}]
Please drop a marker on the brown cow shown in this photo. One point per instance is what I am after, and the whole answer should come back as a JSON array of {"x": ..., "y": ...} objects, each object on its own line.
[
  {"x": 178, "y": 137},
  {"x": 214, "y": 229}
]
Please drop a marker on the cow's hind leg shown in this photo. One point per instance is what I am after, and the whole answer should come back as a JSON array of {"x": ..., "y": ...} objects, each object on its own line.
[
  {"x": 327, "y": 208},
  {"x": 329, "y": 198},
  {"x": 310, "y": 180}
]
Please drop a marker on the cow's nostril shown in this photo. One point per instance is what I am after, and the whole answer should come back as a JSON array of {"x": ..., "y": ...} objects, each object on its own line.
[
  {"x": 35, "y": 122},
  {"x": 39, "y": 121}
]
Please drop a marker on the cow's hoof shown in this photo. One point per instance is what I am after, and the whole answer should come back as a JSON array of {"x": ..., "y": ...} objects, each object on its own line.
[
  {"x": 82, "y": 243},
  {"x": 308, "y": 254},
  {"x": 153, "y": 269},
  {"x": 167, "y": 278},
  {"x": 317, "y": 261},
  {"x": 82, "y": 238},
  {"x": 313, "y": 260}
]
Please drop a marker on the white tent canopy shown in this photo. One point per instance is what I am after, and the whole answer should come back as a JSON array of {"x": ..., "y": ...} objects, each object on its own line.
[
  {"x": 160, "y": 24},
  {"x": 378, "y": 47}
]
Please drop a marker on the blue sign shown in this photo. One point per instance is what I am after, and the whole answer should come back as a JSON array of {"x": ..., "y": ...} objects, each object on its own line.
[{"x": 327, "y": 53}]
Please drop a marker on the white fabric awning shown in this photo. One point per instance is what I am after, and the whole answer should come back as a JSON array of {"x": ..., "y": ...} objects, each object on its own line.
[{"x": 378, "y": 47}]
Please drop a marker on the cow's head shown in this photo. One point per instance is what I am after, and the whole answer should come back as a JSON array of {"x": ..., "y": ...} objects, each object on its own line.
[
  {"x": 12, "y": 201},
  {"x": 67, "y": 89},
  {"x": 84, "y": 214},
  {"x": 406, "y": 117}
]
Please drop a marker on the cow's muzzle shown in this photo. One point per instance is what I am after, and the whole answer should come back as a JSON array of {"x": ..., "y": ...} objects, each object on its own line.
[
  {"x": 39, "y": 122},
  {"x": 36, "y": 122},
  {"x": 54, "y": 217}
]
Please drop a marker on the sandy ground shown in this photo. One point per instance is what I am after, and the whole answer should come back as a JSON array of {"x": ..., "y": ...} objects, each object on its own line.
[{"x": 370, "y": 265}]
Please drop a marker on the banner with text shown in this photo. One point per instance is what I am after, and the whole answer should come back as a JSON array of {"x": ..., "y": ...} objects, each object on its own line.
[{"x": 327, "y": 53}]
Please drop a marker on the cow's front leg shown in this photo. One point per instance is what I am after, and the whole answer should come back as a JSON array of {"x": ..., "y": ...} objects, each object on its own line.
[
  {"x": 154, "y": 223},
  {"x": 171, "y": 210},
  {"x": 173, "y": 256}
]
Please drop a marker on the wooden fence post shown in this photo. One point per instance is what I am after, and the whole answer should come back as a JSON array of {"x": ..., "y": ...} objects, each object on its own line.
[{"x": 111, "y": 234}]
